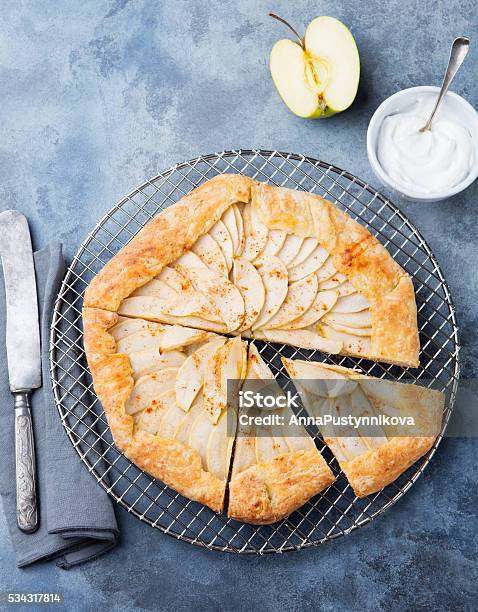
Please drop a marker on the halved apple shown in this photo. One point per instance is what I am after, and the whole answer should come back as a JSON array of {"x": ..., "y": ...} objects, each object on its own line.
[{"x": 319, "y": 75}]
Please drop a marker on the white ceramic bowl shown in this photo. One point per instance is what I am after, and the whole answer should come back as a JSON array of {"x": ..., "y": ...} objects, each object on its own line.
[{"x": 464, "y": 110}]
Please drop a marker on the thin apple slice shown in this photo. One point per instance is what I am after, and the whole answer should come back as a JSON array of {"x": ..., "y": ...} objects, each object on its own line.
[
  {"x": 156, "y": 288},
  {"x": 274, "y": 277},
  {"x": 174, "y": 279},
  {"x": 147, "y": 307},
  {"x": 149, "y": 388},
  {"x": 255, "y": 233},
  {"x": 238, "y": 210},
  {"x": 290, "y": 249},
  {"x": 265, "y": 449},
  {"x": 360, "y": 346},
  {"x": 208, "y": 250},
  {"x": 323, "y": 302},
  {"x": 300, "y": 297},
  {"x": 257, "y": 369},
  {"x": 150, "y": 419},
  {"x": 245, "y": 449},
  {"x": 139, "y": 341},
  {"x": 151, "y": 360},
  {"x": 333, "y": 282},
  {"x": 188, "y": 260},
  {"x": 199, "y": 435},
  {"x": 313, "y": 262},
  {"x": 223, "y": 294},
  {"x": 197, "y": 305},
  {"x": 190, "y": 376},
  {"x": 306, "y": 249},
  {"x": 220, "y": 443},
  {"x": 182, "y": 431},
  {"x": 351, "y": 319},
  {"x": 249, "y": 282},
  {"x": 326, "y": 270},
  {"x": 230, "y": 223},
  {"x": 275, "y": 241},
  {"x": 126, "y": 327},
  {"x": 223, "y": 238},
  {"x": 345, "y": 436},
  {"x": 303, "y": 338},
  {"x": 226, "y": 364},
  {"x": 170, "y": 421},
  {"x": 177, "y": 336},
  {"x": 317, "y": 380},
  {"x": 346, "y": 289},
  {"x": 351, "y": 303},
  {"x": 350, "y": 331},
  {"x": 374, "y": 436}
]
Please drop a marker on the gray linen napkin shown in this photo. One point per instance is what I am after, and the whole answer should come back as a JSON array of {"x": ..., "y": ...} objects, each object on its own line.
[{"x": 77, "y": 520}]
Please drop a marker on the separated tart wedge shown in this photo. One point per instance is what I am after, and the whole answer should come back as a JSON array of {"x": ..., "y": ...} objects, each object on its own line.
[
  {"x": 167, "y": 319},
  {"x": 372, "y": 452},
  {"x": 277, "y": 467}
]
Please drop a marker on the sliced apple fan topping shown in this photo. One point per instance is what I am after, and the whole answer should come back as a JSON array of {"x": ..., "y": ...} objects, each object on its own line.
[
  {"x": 330, "y": 390},
  {"x": 244, "y": 278},
  {"x": 182, "y": 393}
]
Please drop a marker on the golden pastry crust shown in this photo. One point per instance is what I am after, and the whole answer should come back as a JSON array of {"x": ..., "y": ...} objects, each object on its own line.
[
  {"x": 176, "y": 464},
  {"x": 396, "y": 309},
  {"x": 111, "y": 372},
  {"x": 268, "y": 492},
  {"x": 164, "y": 239},
  {"x": 375, "y": 469}
]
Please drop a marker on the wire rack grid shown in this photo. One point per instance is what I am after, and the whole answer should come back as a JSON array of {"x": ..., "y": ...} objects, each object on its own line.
[{"x": 335, "y": 512}]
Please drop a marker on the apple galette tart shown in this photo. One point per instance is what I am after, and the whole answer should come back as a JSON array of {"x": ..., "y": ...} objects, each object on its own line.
[
  {"x": 373, "y": 454},
  {"x": 165, "y": 319}
]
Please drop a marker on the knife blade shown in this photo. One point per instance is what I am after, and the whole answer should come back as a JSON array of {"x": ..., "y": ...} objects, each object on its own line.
[{"x": 23, "y": 355}]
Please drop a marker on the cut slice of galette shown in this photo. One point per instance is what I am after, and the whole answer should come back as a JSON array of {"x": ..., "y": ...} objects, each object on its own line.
[
  {"x": 276, "y": 467},
  {"x": 401, "y": 420}
]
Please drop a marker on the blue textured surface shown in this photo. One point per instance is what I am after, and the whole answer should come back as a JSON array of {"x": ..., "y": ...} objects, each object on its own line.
[{"x": 96, "y": 97}]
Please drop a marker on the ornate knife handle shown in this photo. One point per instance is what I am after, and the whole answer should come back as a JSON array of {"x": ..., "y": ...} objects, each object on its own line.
[{"x": 27, "y": 506}]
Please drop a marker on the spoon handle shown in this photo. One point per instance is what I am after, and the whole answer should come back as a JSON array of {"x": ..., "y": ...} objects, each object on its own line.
[{"x": 458, "y": 52}]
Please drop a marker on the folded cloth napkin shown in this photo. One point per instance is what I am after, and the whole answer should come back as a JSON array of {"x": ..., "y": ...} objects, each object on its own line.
[{"x": 77, "y": 519}]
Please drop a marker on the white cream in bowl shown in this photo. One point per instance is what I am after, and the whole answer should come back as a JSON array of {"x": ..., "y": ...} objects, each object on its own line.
[
  {"x": 422, "y": 167},
  {"x": 427, "y": 162}
]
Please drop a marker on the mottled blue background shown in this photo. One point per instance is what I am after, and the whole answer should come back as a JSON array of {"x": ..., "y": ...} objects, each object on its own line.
[{"x": 97, "y": 96}]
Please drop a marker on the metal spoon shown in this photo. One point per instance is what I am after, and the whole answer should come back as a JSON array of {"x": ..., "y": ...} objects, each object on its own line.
[{"x": 458, "y": 52}]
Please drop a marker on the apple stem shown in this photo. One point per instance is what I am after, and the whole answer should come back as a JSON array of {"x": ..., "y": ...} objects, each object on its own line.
[{"x": 286, "y": 23}]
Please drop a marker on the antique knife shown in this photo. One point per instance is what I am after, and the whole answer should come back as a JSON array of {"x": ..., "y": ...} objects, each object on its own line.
[{"x": 23, "y": 355}]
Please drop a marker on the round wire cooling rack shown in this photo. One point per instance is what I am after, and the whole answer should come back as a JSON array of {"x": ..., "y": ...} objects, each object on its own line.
[{"x": 335, "y": 512}]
